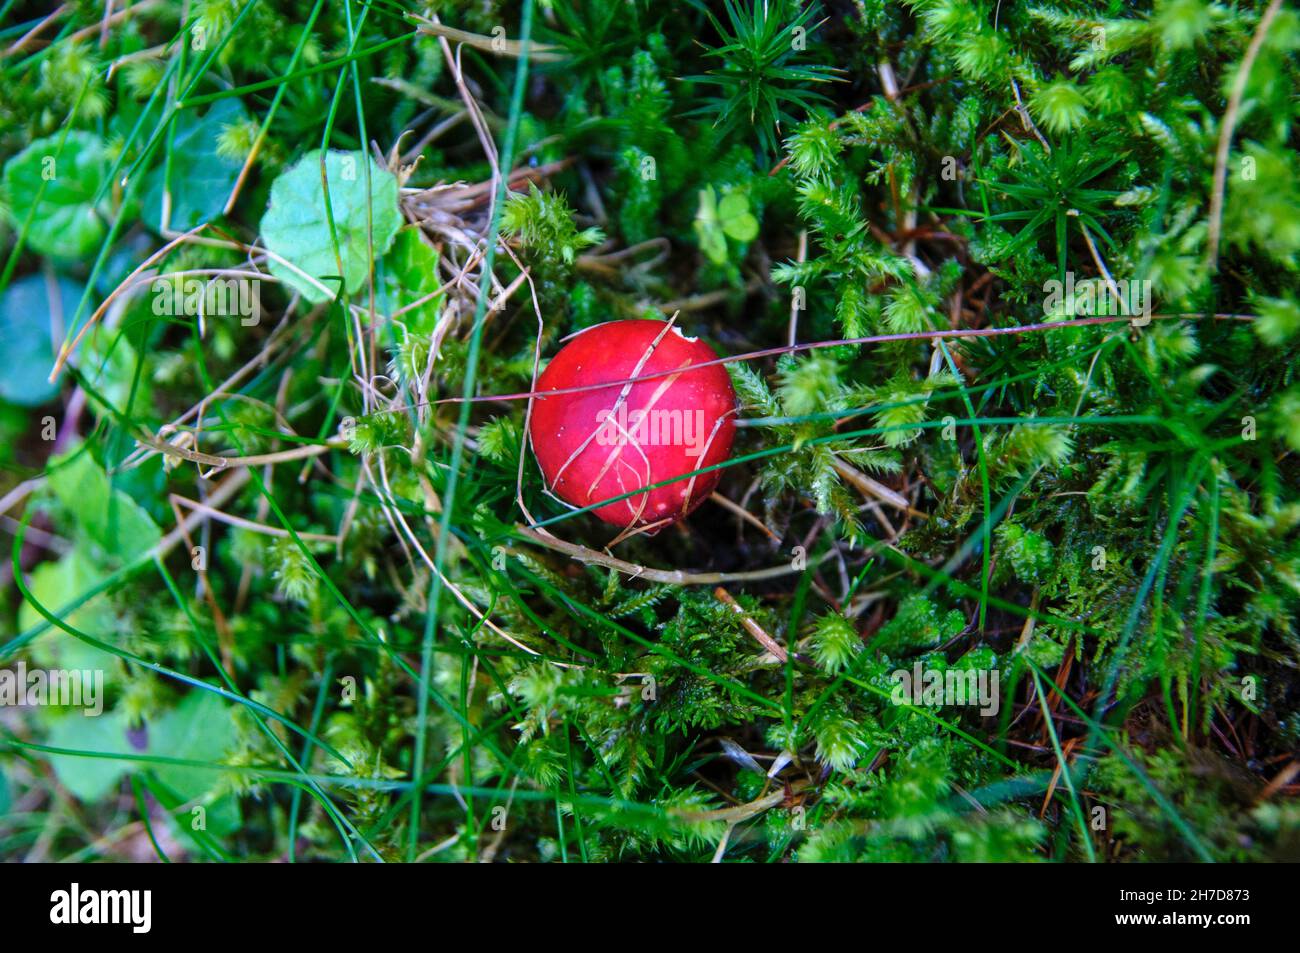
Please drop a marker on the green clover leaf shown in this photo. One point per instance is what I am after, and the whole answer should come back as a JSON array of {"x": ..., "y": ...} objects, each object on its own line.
[{"x": 715, "y": 221}]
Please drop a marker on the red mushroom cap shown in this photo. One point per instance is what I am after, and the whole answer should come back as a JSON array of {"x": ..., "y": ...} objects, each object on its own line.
[{"x": 600, "y": 443}]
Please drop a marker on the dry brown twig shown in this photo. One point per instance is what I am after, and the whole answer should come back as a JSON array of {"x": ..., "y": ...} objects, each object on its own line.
[
  {"x": 498, "y": 45},
  {"x": 671, "y": 577},
  {"x": 774, "y": 648}
]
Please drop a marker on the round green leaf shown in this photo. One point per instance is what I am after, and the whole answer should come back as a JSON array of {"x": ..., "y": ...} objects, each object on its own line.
[
  {"x": 25, "y": 341},
  {"x": 201, "y": 178},
  {"x": 65, "y": 222},
  {"x": 297, "y": 225}
]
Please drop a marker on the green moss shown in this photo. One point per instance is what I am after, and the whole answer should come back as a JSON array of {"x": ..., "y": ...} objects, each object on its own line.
[{"x": 1105, "y": 510}]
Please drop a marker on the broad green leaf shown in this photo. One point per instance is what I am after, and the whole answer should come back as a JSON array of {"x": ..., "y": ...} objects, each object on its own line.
[
  {"x": 56, "y": 584},
  {"x": 117, "y": 524},
  {"x": 200, "y": 728},
  {"x": 409, "y": 272},
  {"x": 297, "y": 225},
  {"x": 89, "y": 779},
  {"x": 66, "y": 223},
  {"x": 27, "y": 312},
  {"x": 201, "y": 178}
]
